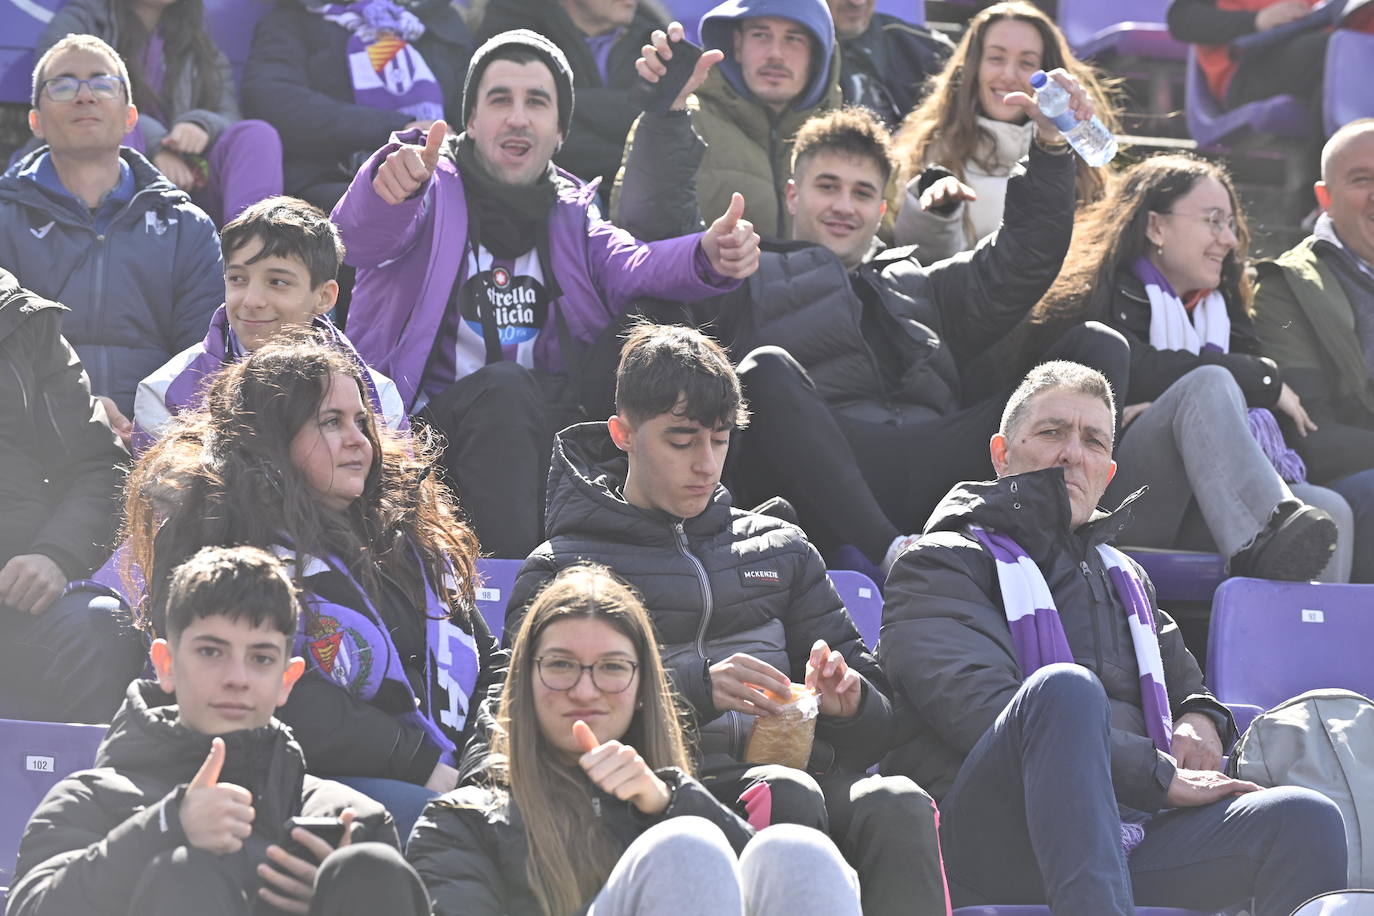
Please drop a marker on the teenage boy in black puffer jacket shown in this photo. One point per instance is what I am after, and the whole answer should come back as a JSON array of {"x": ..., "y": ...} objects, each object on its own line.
[
  {"x": 740, "y": 601},
  {"x": 185, "y": 810}
]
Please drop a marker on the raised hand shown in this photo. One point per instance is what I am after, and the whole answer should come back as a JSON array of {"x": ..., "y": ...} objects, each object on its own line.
[
  {"x": 1281, "y": 13},
  {"x": 292, "y": 878},
  {"x": 945, "y": 193},
  {"x": 409, "y": 167},
  {"x": 731, "y": 244},
  {"x": 216, "y": 816},
  {"x": 1080, "y": 105},
  {"x": 617, "y": 769},
  {"x": 838, "y": 687},
  {"x": 738, "y": 681},
  {"x": 651, "y": 64}
]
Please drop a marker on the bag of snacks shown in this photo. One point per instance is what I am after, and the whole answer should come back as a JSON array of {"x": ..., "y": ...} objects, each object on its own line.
[{"x": 785, "y": 738}]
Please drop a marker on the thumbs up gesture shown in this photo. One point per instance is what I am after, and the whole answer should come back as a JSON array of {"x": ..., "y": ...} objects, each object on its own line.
[
  {"x": 617, "y": 769},
  {"x": 216, "y": 816},
  {"x": 731, "y": 244},
  {"x": 408, "y": 168}
]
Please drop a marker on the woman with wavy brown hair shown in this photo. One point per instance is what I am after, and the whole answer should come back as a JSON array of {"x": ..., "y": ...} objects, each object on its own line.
[
  {"x": 957, "y": 149},
  {"x": 288, "y": 455},
  {"x": 585, "y": 802}
]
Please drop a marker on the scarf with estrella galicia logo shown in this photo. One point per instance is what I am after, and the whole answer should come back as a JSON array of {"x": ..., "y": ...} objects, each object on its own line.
[
  {"x": 1037, "y": 633},
  {"x": 388, "y": 71},
  {"x": 1203, "y": 328}
]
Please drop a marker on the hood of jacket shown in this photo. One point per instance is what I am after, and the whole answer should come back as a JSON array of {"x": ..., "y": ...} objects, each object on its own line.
[
  {"x": 17, "y": 303},
  {"x": 717, "y": 31},
  {"x": 147, "y": 738},
  {"x": 586, "y": 494}
]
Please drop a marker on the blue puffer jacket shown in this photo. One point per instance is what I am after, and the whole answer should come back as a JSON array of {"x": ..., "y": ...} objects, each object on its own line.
[{"x": 139, "y": 293}]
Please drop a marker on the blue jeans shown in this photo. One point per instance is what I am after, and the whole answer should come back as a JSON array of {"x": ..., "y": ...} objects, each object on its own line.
[
  {"x": 1033, "y": 818},
  {"x": 405, "y": 800},
  {"x": 71, "y": 663},
  {"x": 1358, "y": 490}
]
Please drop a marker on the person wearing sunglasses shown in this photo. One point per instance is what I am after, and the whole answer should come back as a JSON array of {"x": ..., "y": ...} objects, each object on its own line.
[
  {"x": 586, "y": 803},
  {"x": 92, "y": 224},
  {"x": 1162, "y": 259}
]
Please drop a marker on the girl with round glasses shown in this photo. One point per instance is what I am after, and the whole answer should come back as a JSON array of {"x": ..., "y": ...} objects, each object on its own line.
[
  {"x": 189, "y": 123},
  {"x": 1162, "y": 259},
  {"x": 585, "y": 802}
]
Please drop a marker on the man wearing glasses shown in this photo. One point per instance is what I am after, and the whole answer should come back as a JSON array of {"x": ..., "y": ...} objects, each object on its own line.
[
  {"x": 89, "y": 223},
  {"x": 742, "y": 607}
]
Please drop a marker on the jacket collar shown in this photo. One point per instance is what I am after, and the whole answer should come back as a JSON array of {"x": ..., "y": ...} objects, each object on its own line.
[
  {"x": 586, "y": 494},
  {"x": 17, "y": 303},
  {"x": 152, "y": 189},
  {"x": 1033, "y": 510}
]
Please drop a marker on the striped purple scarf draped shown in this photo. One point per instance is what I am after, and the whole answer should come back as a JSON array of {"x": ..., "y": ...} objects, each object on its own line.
[{"x": 1037, "y": 633}]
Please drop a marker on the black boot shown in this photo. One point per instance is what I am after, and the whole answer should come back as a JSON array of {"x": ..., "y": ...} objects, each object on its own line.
[{"x": 1294, "y": 546}]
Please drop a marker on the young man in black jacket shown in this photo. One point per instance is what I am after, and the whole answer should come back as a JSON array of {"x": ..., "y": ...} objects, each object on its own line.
[
  {"x": 1055, "y": 710},
  {"x": 187, "y": 808},
  {"x": 741, "y": 602},
  {"x": 853, "y": 355}
]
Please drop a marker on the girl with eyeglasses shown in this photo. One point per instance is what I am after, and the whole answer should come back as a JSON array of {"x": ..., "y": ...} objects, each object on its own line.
[
  {"x": 585, "y": 802},
  {"x": 189, "y": 123},
  {"x": 1162, "y": 260}
]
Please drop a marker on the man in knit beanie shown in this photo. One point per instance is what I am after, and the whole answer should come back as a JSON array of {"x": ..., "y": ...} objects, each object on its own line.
[{"x": 492, "y": 291}]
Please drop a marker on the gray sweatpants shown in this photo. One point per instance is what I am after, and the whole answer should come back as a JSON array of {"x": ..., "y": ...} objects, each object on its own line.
[{"x": 684, "y": 866}]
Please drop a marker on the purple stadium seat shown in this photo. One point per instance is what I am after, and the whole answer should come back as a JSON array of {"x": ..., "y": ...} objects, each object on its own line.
[
  {"x": 1180, "y": 575},
  {"x": 864, "y": 601},
  {"x": 33, "y": 757},
  {"x": 497, "y": 577},
  {"x": 21, "y": 24},
  {"x": 1349, "y": 73},
  {"x": 230, "y": 23},
  {"x": 1131, "y": 28},
  {"x": 1282, "y": 115},
  {"x": 1271, "y": 641}
]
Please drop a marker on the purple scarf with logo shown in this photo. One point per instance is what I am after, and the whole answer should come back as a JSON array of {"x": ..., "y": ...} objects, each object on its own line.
[
  {"x": 1037, "y": 633},
  {"x": 388, "y": 71}
]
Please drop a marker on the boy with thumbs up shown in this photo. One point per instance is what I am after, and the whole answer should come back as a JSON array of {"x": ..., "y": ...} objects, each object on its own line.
[
  {"x": 491, "y": 290},
  {"x": 187, "y": 807}
]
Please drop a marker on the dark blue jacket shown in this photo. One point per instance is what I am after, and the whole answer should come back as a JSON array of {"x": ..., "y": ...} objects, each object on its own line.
[
  {"x": 296, "y": 78},
  {"x": 139, "y": 293}
]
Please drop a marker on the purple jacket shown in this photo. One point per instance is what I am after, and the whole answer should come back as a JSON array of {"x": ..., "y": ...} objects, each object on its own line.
[{"x": 408, "y": 257}]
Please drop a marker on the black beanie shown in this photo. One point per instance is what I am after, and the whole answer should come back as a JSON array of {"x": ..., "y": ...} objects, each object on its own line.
[{"x": 541, "y": 47}]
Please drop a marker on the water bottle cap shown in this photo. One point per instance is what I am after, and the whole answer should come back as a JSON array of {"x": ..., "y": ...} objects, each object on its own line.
[{"x": 1039, "y": 78}]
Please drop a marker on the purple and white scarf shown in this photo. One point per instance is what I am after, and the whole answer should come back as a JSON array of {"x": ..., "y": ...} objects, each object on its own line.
[
  {"x": 1208, "y": 328},
  {"x": 388, "y": 71},
  {"x": 1037, "y": 633}
]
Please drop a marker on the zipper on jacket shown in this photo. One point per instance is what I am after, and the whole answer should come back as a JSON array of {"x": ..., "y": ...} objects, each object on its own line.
[
  {"x": 773, "y": 141},
  {"x": 98, "y": 301},
  {"x": 1093, "y": 587},
  {"x": 708, "y": 603}
]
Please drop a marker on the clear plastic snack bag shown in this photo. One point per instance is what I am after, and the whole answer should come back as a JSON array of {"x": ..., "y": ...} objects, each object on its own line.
[{"x": 785, "y": 738}]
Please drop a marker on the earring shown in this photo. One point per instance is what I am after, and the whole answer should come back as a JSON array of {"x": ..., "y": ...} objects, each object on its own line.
[{"x": 1159, "y": 249}]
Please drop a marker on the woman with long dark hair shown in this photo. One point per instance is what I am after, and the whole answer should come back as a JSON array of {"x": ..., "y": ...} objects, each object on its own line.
[
  {"x": 1162, "y": 259},
  {"x": 189, "y": 123},
  {"x": 585, "y": 802},
  {"x": 288, "y": 455},
  {"x": 964, "y": 134}
]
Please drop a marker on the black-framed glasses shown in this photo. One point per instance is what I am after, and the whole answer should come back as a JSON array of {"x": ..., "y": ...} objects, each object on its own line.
[
  {"x": 609, "y": 675},
  {"x": 1216, "y": 220},
  {"x": 103, "y": 86}
]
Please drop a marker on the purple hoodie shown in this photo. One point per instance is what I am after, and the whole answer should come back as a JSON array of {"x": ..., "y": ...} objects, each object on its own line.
[{"x": 408, "y": 256}]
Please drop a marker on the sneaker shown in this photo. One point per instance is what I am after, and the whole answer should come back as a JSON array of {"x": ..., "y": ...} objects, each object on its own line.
[
  {"x": 894, "y": 550},
  {"x": 1295, "y": 546}
]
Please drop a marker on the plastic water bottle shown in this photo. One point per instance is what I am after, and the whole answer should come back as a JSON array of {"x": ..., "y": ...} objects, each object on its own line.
[{"x": 1090, "y": 138}]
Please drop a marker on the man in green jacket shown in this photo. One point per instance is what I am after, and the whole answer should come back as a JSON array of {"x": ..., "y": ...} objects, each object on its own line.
[
  {"x": 780, "y": 68},
  {"x": 1314, "y": 310}
]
